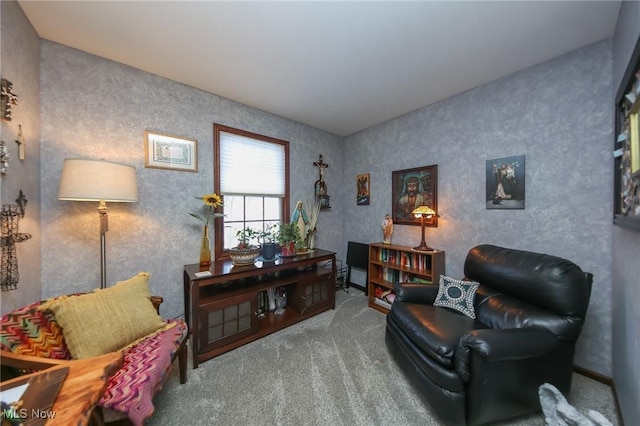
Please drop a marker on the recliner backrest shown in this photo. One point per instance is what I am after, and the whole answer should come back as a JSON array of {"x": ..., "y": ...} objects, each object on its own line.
[{"x": 527, "y": 289}]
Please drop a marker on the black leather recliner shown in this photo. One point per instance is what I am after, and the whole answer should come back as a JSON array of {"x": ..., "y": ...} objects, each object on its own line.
[{"x": 529, "y": 307}]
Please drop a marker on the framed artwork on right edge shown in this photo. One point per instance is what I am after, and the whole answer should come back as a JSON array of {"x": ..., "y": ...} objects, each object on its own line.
[
  {"x": 505, "y": 183},
  {"x": 626, "y": 147}
]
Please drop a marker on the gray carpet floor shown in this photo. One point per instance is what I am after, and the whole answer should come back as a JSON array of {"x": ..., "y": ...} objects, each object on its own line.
[{"x": 332, "y": 369}]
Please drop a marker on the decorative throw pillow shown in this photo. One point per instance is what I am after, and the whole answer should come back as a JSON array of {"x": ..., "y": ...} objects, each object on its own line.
[
  {"x": 457, "y": 294},
  {"x": 109, "y": 319},
  {"x": 31, "y": 331}
]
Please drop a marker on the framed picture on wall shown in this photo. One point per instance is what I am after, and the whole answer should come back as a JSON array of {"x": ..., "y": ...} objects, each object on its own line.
[
  {"x": 505, "y": 183},
  {"x": 363, "y": 197},
  {"x": 626, "y": 147},
  {"x": 163, "y": 151},
  {"x": 411, "y": 188}
]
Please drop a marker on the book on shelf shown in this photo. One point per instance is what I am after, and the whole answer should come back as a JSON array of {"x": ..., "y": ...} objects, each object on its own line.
[
  {"x": 382, "y": 303},
  {"x": 384, "y": 295},
  {"x": 419, "y": 261},
  {"x": 418, "y": 280}
]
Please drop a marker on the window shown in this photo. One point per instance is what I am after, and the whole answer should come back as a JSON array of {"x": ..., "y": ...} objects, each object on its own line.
[{"x": 251, "y": 173}]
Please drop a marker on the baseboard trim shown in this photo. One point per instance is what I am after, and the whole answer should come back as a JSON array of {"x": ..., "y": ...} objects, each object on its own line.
[
  {"x": 593, "y": 375},
  {"x": 605, "y": 380}
]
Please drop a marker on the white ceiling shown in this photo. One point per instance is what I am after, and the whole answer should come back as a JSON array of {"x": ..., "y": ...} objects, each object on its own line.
[{"x": 337, "y": 66}]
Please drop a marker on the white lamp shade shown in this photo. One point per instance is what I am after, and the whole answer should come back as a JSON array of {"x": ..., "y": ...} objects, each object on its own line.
[{"x": 97, "y": 180}]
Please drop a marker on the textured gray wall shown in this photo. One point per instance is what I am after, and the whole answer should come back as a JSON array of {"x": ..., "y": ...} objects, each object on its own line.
[
  {"x": 559, "y": 115},
  {"x": 20, "y": 55},
  {"x": 626, "y": 252},
  {"x": 95, "y": 108}
]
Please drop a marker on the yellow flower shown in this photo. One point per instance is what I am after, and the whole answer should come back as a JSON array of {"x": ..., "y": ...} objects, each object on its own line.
[{"x": 212, "y": 200}]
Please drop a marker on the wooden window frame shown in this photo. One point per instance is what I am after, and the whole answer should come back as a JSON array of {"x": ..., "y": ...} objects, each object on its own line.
[{"x": 220, "y": 253}]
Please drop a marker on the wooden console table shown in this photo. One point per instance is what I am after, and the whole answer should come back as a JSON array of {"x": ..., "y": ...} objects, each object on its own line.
[{"x": 221, "y": 308}]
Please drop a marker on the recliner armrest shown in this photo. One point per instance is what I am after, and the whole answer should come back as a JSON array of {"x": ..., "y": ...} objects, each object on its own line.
[
  {"x": 496, "y": 345},
  {"x": 424, "y": 294}
]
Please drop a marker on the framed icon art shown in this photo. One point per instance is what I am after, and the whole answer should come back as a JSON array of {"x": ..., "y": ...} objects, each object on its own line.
[{"x": 412, "y": 188}]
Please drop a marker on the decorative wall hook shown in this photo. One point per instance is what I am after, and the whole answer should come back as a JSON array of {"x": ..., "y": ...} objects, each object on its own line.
[
  {"x": 7, "y": 99},
  {"x": 9, "y": 236}
]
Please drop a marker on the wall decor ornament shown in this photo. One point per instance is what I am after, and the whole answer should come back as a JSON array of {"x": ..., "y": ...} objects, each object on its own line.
[
  {"x": 363, "y": 197},
  {"x": 22, "y": 145},
  {"x": 21, "y": 202},
  {"x": 505, "y": 183},
  {"x": 4, "y": 158},
  {"x": 164, "y": 151},
  {"x": 7, "y": 99},
  {"x": 320, "y": 187},
  {"x": 9, "y": 236},
  {"x": 412, "y": 188}
]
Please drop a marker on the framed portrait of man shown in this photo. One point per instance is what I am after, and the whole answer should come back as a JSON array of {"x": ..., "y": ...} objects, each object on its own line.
[{"x": 412, "y": 188}]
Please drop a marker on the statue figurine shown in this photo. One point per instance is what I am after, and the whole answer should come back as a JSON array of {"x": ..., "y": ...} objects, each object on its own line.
[
  {"x": 387, "y": 229},
  {"x": 300, "y": 219}
]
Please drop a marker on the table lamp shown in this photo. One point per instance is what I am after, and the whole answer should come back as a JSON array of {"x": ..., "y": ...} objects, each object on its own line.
[
  {"x": 421, "y": 212},
  {"x": 101, "y": 181}
]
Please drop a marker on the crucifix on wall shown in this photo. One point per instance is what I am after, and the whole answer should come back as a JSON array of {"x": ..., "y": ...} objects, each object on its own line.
[
  {"x": 21, "y": 144},
  {"x": 320, "y": 187}
]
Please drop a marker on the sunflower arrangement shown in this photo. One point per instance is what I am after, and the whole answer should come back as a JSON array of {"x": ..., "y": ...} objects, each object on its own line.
[{"x": 210, "y": 203}]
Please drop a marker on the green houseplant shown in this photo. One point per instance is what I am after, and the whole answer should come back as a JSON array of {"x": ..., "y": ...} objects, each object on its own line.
[
  {"x": 245, "y": 253},
  {"x": 290, "y": 238},
  {"x": 269, "y": 238}
]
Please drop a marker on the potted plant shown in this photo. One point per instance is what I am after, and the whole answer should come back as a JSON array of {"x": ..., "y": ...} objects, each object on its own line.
[
  {"x": 290, "y": 238},
  {"x": 269, "y": 238},
  {"x": 245, "y": 253}
]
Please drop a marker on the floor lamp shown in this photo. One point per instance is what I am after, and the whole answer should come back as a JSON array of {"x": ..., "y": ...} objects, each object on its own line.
[
  {"x": 101, "y": 181},
  {"x": 422, "y": 212}
]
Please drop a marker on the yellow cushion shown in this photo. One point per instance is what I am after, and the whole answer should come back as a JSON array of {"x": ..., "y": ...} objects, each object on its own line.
[{"x": 109, "y": 319}]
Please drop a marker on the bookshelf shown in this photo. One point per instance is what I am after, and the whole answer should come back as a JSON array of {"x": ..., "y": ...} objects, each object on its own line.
[{"x": 390, "y": 263}]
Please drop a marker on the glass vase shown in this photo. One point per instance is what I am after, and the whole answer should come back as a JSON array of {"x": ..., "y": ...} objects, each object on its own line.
[{"x": 205, "y": 248}]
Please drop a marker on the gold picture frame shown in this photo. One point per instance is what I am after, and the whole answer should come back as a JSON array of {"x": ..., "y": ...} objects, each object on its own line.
[
  {"x": 165, "y": 151},
  {"x": 411, "y": 188}
]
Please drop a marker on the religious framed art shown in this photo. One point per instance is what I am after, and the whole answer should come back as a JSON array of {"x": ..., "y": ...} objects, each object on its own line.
[
  {"x": 363, "y": 195},
  {"x": 505, "y": 183},
  {"x": 411, "y": 188}
]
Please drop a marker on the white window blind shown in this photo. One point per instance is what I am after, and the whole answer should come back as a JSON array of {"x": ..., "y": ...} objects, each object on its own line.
[{"x": 251, "y": 167}]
